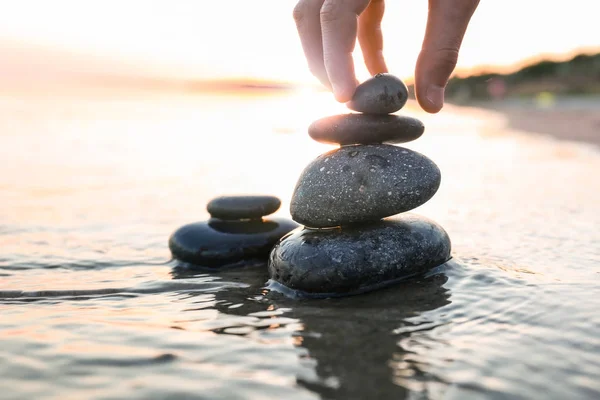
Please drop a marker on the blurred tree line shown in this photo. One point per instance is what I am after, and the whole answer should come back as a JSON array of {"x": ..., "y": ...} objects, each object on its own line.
[{"x": 578, "y": 76}]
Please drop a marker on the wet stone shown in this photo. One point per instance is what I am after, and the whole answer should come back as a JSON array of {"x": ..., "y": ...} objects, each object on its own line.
[
  {"x": 381, "y": 94},
  {"x": 357, "y": 259},
  {"x": 356, "y": 184},
  {"x": 347, "y": 129},
  {"x": 242, "y": 207},
  {"x": 218, "y": 243}
]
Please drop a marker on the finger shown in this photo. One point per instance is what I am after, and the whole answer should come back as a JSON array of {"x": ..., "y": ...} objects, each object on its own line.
[
  {"x": 446, "y": 25},
  {"x": 308, "y": 23},
  {"x": 370, "y": 36},
  {"x": 339, "y": 28}
]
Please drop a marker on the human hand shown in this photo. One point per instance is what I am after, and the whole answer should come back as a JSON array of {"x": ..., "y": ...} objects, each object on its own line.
[{"x": 328, "y": 31}]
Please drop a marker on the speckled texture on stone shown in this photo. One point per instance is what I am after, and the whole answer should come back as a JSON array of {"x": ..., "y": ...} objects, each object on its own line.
[
  {"x": 242, "y": 207},
  {"x": 356, "y": 259},
  {"x": 217, "y": 243},
  {"x": 365, "y": 129},
  {"x": 362, "y": 183},
  {"x": 381, "y": 94}
]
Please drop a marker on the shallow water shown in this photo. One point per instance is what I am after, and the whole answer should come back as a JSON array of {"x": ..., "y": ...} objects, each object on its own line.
[{"x": 92, "y": 306}]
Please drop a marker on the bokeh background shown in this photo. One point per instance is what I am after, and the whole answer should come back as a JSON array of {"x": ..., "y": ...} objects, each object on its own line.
[
  {"x": 187, "y": 39},
  {"x": 527, "y": 53},
  {"x": 119, "y": 120}
]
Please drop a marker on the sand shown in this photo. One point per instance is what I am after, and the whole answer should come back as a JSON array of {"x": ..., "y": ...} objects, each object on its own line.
[{"x": 576, "y": 119}]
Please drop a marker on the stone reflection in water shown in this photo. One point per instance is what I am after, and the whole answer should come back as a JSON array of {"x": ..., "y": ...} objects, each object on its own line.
[
  {"x": 350, "y": 344},
  {"x": 353, "y": 341},
  {"x": 252, "y": 276}
]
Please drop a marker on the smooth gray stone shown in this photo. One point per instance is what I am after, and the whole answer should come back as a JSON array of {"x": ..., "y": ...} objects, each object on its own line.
[
  {"x": 365, "y": 128},
  {"x": 357, "y": 259},
  {"x": 362, "y": 183},
  {"x": 381, "y": 94},
  {"x": 216, "y": 243},
  {"x": 242, "y": 207}
]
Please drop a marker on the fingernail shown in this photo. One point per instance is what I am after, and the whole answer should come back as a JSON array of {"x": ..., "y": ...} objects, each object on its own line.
[{"x": 435, "y": 96}]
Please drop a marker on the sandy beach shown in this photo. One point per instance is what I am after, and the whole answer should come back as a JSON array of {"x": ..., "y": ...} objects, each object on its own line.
[{"x": 576, "y": 119}]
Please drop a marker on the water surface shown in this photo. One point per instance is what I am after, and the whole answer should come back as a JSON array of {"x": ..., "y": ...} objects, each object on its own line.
[{"x": 92, "y": 306}]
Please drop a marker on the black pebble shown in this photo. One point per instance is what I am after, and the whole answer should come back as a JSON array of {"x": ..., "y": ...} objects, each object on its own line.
[
  {"x": 242, "y": 207},
  {"x": 218, "y": 243},
  {"x": 350, "y": 260},
  {"x": 347, "y": 129}
]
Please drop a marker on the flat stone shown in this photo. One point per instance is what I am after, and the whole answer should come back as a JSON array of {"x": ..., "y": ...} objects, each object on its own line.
[
  {"x": 355, "y": 184},
  {"x": 218, "y": 243},
  {"x": 242, "y": 207},
  {"x": 357, "y": 259},
  {"x": 365, "y": 128},
  {"x": 381, "y": 94}
]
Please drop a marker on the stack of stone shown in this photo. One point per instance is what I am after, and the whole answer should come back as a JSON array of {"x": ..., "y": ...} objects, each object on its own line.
[
  {"x": 342, "y": 198},
  {"x": 237, "y": 234}
]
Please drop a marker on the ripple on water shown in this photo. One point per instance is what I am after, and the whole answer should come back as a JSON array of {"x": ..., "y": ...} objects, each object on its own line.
[
  {"x": 502, "y": 335},
  {"x": 169, "y": 338},
  {"x": 461, "y": 331},
  {"x": 90, "y": 307}
]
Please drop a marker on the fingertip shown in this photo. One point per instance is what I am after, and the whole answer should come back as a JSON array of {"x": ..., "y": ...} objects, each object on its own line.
[
  {"x": 431, "y": 76},
  {"x": 343, "y": 93},
  {"x": 383, "y": 68},
  {"x": 376, "y": 63},
  {"x": 435, "y": 97},
  {"x": 431, "y": 98},
  {"x": 324, "y": 81}
]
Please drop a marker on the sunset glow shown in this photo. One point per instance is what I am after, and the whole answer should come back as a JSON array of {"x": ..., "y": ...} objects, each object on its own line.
[{"x": 242, "y": 39}]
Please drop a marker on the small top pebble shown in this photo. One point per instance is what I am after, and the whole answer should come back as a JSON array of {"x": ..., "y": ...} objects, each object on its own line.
[
  {"x": 381, "y": 94},
  {"x": 242, "y": 207}
]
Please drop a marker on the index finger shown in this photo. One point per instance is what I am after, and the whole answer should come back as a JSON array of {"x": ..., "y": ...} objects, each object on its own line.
[{"x": 339, "y": 21}]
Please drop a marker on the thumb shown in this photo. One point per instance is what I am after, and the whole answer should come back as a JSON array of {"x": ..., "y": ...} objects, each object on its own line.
[{"x": 446, "y": 26}]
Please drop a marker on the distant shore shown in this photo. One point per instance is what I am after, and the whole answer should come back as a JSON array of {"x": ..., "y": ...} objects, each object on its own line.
[{"x": 572, "y": 118}]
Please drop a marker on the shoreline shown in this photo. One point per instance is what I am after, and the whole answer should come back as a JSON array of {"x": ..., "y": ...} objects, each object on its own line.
[{"x": 574, "y": 119}]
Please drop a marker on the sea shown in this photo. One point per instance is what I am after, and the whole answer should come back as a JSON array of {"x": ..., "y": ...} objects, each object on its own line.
[{"x": 92, "y": 305}]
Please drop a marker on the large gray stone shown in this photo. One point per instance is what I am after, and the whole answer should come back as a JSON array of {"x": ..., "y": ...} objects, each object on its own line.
[
  {"x": 216, "y": 243},
  {"x": 242, "y": 207},
  {"x": 362, "y": 183},
  {"x": 365, "y": 128},
  {"x": 381, "y": 94},
  {"x": 350, "y": 260}
]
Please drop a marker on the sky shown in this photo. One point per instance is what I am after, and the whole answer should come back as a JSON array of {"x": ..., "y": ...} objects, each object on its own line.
[{"x": 205, "y": 39}]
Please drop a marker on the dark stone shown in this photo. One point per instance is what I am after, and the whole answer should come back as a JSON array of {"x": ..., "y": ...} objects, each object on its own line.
[
  {"x": 381, "y": 94},
  {"x": 362, "y": 183},
  {"x": 242, "y": 207},
  {"x": 218, "y": 243},
  {"x": 357, "y": 259},
  {"x": 365, "y": 128}
]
